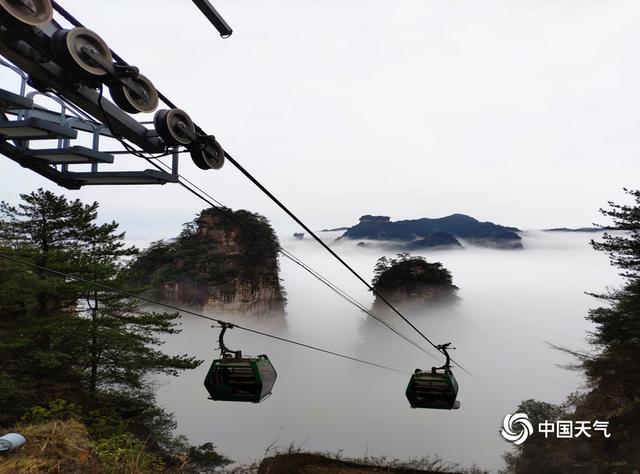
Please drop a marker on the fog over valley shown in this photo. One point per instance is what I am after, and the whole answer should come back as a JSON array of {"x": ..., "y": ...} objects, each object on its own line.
[
  {"x": 333, "y": 193},
  {"x": 513, "y": 303}
]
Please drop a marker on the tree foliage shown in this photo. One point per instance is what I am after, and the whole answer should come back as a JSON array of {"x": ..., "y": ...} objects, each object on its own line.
[
  {"x": 64, "y": 339},
  {"x": 214, "y": 249},
  {"x": 617, "y": 333},
  {"x": 623, "y": 249},
  {"x": 612, "y": 368},
  {"x": 406, "y": 269}
]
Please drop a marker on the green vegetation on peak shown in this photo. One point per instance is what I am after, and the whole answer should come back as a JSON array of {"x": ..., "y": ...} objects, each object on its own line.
[
  {"x": 458, "y": 226},
  {"x": 226, "y": 260},
  {"x": 408, "y": 278}
]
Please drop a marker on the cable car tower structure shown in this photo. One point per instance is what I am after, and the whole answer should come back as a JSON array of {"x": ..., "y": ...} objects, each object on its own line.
[{"x": 72, "y": 67}]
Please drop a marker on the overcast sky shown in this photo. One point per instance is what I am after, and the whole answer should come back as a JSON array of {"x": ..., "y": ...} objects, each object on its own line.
[{"x": 525, "y": 113}]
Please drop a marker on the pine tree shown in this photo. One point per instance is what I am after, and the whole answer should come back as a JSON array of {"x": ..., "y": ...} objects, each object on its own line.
[
  {"x": 612, "y": 370},
  {"x": 617, "y": 333},
  {"x": 63, "y": 339},
  {"x": 37, "y": 309},
  {"x": 45, "y": 229}
]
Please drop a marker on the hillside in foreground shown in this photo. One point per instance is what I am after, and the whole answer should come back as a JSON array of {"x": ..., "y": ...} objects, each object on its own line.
[
  {"x": 310, "y": 463},
  {"x": 66, "y": 447}
]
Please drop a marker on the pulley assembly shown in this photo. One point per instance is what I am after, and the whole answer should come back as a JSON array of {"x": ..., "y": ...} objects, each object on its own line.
[
  {"x": 135, "y": 95},
  {"x": 209, "y": 155},
  {"x": 82, "y": 51},
  {"x": 29, "y": 12},
  {"x": 87, "y": 54},
  {"x": 175, "y": 127},
  {"x": 74, "y": 66}
]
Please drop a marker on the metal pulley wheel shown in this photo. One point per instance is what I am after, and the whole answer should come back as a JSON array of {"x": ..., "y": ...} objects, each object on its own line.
[
  {"x": 30, "y": 12},
  {"x": 174, "y": 126},
  {"x": 144, "y": 98},
  {"x": 72, "y": 46},
  {"x": 209, "y": 155}
]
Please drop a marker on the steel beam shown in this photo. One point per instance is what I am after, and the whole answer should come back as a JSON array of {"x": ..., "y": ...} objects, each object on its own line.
[{"x": 32, "y": 53}]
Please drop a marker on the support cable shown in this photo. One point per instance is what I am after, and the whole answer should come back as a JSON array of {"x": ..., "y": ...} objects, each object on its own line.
[
  {"x": 273, "y": 198},
  {"x": 192, "y": 313},
  {"x": 218, "y": 206}
]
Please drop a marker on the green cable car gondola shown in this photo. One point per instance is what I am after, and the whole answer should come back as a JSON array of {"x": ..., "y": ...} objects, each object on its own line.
[
  {"x": 235, "y": 378},
  {"x": 437, "y": 388}
]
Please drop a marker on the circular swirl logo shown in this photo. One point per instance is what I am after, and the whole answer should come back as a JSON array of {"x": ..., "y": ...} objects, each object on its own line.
[{"x": 516, "y": 428}]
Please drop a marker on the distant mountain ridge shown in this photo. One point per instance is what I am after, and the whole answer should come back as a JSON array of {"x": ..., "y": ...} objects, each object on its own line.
[
  {"x": 579, "y": 229},
  {"x": 443, "y": 231}
]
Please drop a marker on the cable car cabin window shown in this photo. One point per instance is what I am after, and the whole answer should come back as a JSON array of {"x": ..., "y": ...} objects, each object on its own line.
[
  {"x": 235, "y": 379},
  {"x": 268, "y": 376}
]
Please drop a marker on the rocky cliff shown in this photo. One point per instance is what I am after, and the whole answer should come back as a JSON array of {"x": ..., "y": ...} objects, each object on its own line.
[
  {"x": 226, "y": 262},
  {"x": 408, "y": 279}
]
